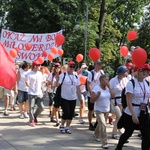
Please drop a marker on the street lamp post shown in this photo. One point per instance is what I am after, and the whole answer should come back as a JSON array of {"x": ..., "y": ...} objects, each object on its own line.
[{"x": 86, "y": 32}]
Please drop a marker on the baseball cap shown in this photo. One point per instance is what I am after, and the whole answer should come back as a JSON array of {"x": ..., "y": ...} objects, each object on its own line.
[
  {"x": 145, "y": 66},
  {"x": 129, "y": 64},
  {"x": 121, "y": 70},
  {"x": 71, "y": 63},
  {"x": 36, "y": 62},
  {"x": 56, "y": 64}
]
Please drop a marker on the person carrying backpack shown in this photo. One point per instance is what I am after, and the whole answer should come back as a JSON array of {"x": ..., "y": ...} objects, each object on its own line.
[
  {"x": 92, "y": 81},
  {"x": 135, "y": 116},
  {"x": 118, "y": 83}
]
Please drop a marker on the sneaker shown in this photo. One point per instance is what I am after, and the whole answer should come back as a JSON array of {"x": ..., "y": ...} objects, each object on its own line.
[
  {"x": 6, "y": 113},
  {"x": 62, "y": 129},
  {"x": 32, "y": 124},
  {"x": 105, "y": 146},
  {"x": 81, "y": 121},
  {"x": 35, "y": 119},
  {"x": 26, "y": 115},
  {"x": 57, "y": 124},
  {"x": 75, "y": 114},
  {"x": 91, "y": 127},
  {"x": 67, "y": 131},
  {"x": 96, "y": 139},
  {"x": 115, "y": 136},
  {"x": 53, "y": 120},
  {"x": 21, "y": 116}
]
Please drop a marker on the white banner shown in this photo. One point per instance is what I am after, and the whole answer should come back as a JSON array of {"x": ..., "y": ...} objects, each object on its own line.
[{"x": 39, "y": 43}]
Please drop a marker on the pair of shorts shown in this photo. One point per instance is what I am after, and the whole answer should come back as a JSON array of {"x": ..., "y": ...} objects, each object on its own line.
[
  {"x": 90, "y": 105},
  {"x": 4, "y": 91},
  {"x": 84, "y": 96},
  {"x": 22, "y": 96}
]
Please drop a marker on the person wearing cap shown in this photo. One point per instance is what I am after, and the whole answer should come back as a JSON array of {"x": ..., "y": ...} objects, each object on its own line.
[
  {"x": 136, "y": 113},
  {"x": 84, "y": 72},
  {"x": 118, "y": 83},
  {"x": 23, "y": 90},
  {"x": 130, "y": 67},
  {"x": 35, "y": 93},
  {"x": 51, "y": 92},
  {"x": 70, "y": 91},
  {"x": 92, "y": 81}
]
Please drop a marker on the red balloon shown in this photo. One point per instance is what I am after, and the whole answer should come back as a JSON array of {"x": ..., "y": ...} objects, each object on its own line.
[
  {"x": 139, "y": 57},
  {"x": 41, "y": 60},
  {"x": 82, "y": 79},
  {"x": 13, "y": 53},
  {"x": 132, "y": 35},
  {"x": 50, "y": 56},
  {"x": 17, "y": 49},
  {"x": 79, "y": 57},
  {"x": 60, "y": 52},
  {"x": 44, "y": 54},
  {"x": 94, "y": 54},
  {"x": 60, "y": 39},
  {"x": 28, "y": 47},
  {"x": 54, "y": 50},
  {"x": 124, "y": 51}
]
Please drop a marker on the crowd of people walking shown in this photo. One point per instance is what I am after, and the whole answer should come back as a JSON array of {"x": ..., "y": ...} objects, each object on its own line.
[{"x": 102, "y": 95}]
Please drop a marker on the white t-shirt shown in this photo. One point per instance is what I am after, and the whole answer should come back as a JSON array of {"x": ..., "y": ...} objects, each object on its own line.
[
  {"x": 138, "y": 95},
  {"x": 69, "y": 86},
  {"x": 35, "y": 81},
  {"x": 102, "y": 104},
  {"x": 52, "y": 79},
  {"x": 95, "y": 81},
  {"x": 22, "y": 82},
  {"x": 117, "y": 86}
]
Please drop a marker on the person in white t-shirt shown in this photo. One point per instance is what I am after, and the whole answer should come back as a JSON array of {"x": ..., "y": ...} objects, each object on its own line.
[
  {"x": 69, "y": 90},
  {"x": 118, "y": 83},
  {"x": 53, "y": 105},
  {"x": 92, "y": 81},
  {"x": 23, "y": 90},
  {"x": 100, "y": 96},
  {"x": 135, "y": 116},
  {"x": 83, "y": 72},
  {"x": 36, "y": 92}
]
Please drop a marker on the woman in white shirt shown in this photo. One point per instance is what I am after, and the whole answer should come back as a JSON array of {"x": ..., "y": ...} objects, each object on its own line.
[
  {"x": 69, "y": 90},
  {"x": 23, "y": 90},
  {"x": 135, "y": 116},
  {"x": 101, "y": 95}
]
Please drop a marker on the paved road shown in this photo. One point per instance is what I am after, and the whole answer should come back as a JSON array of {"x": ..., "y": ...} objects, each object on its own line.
[{"x": 18, "y": 135}]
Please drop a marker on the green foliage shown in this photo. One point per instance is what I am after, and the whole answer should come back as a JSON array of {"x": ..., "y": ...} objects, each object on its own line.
[{"x": 46, "y": 16}]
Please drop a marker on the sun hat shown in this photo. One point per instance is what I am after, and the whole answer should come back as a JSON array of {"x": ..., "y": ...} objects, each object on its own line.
[
  {"x": 84, "y": 66},
  {"x": 121, "y": 70}
]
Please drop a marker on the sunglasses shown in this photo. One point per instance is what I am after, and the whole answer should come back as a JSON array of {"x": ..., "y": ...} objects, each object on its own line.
[{"x": 72, "y": 66}]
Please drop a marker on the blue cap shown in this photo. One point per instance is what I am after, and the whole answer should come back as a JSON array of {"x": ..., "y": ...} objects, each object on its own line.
[{"x": 121, "y": 70}]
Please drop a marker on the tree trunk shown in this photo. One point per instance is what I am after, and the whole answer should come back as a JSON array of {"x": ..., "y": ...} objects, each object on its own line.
[{"x": 101, "y": 22}]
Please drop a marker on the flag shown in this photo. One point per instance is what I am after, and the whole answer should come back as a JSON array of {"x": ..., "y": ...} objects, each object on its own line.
[{"x": 8, "y": 75}]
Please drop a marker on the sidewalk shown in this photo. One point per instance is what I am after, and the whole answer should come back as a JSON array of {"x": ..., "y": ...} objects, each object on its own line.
[{"x": 18, "y": 135}]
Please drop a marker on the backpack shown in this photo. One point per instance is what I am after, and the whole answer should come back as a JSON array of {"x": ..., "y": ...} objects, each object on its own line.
[
  {"x": 123, "y": 95},
  {"x": 57, "y": 97},
  {"x": 92, "y": 72}
]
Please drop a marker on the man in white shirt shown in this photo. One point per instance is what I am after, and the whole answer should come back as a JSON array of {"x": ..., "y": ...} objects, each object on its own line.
[{"x": 36, "y": 92}]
